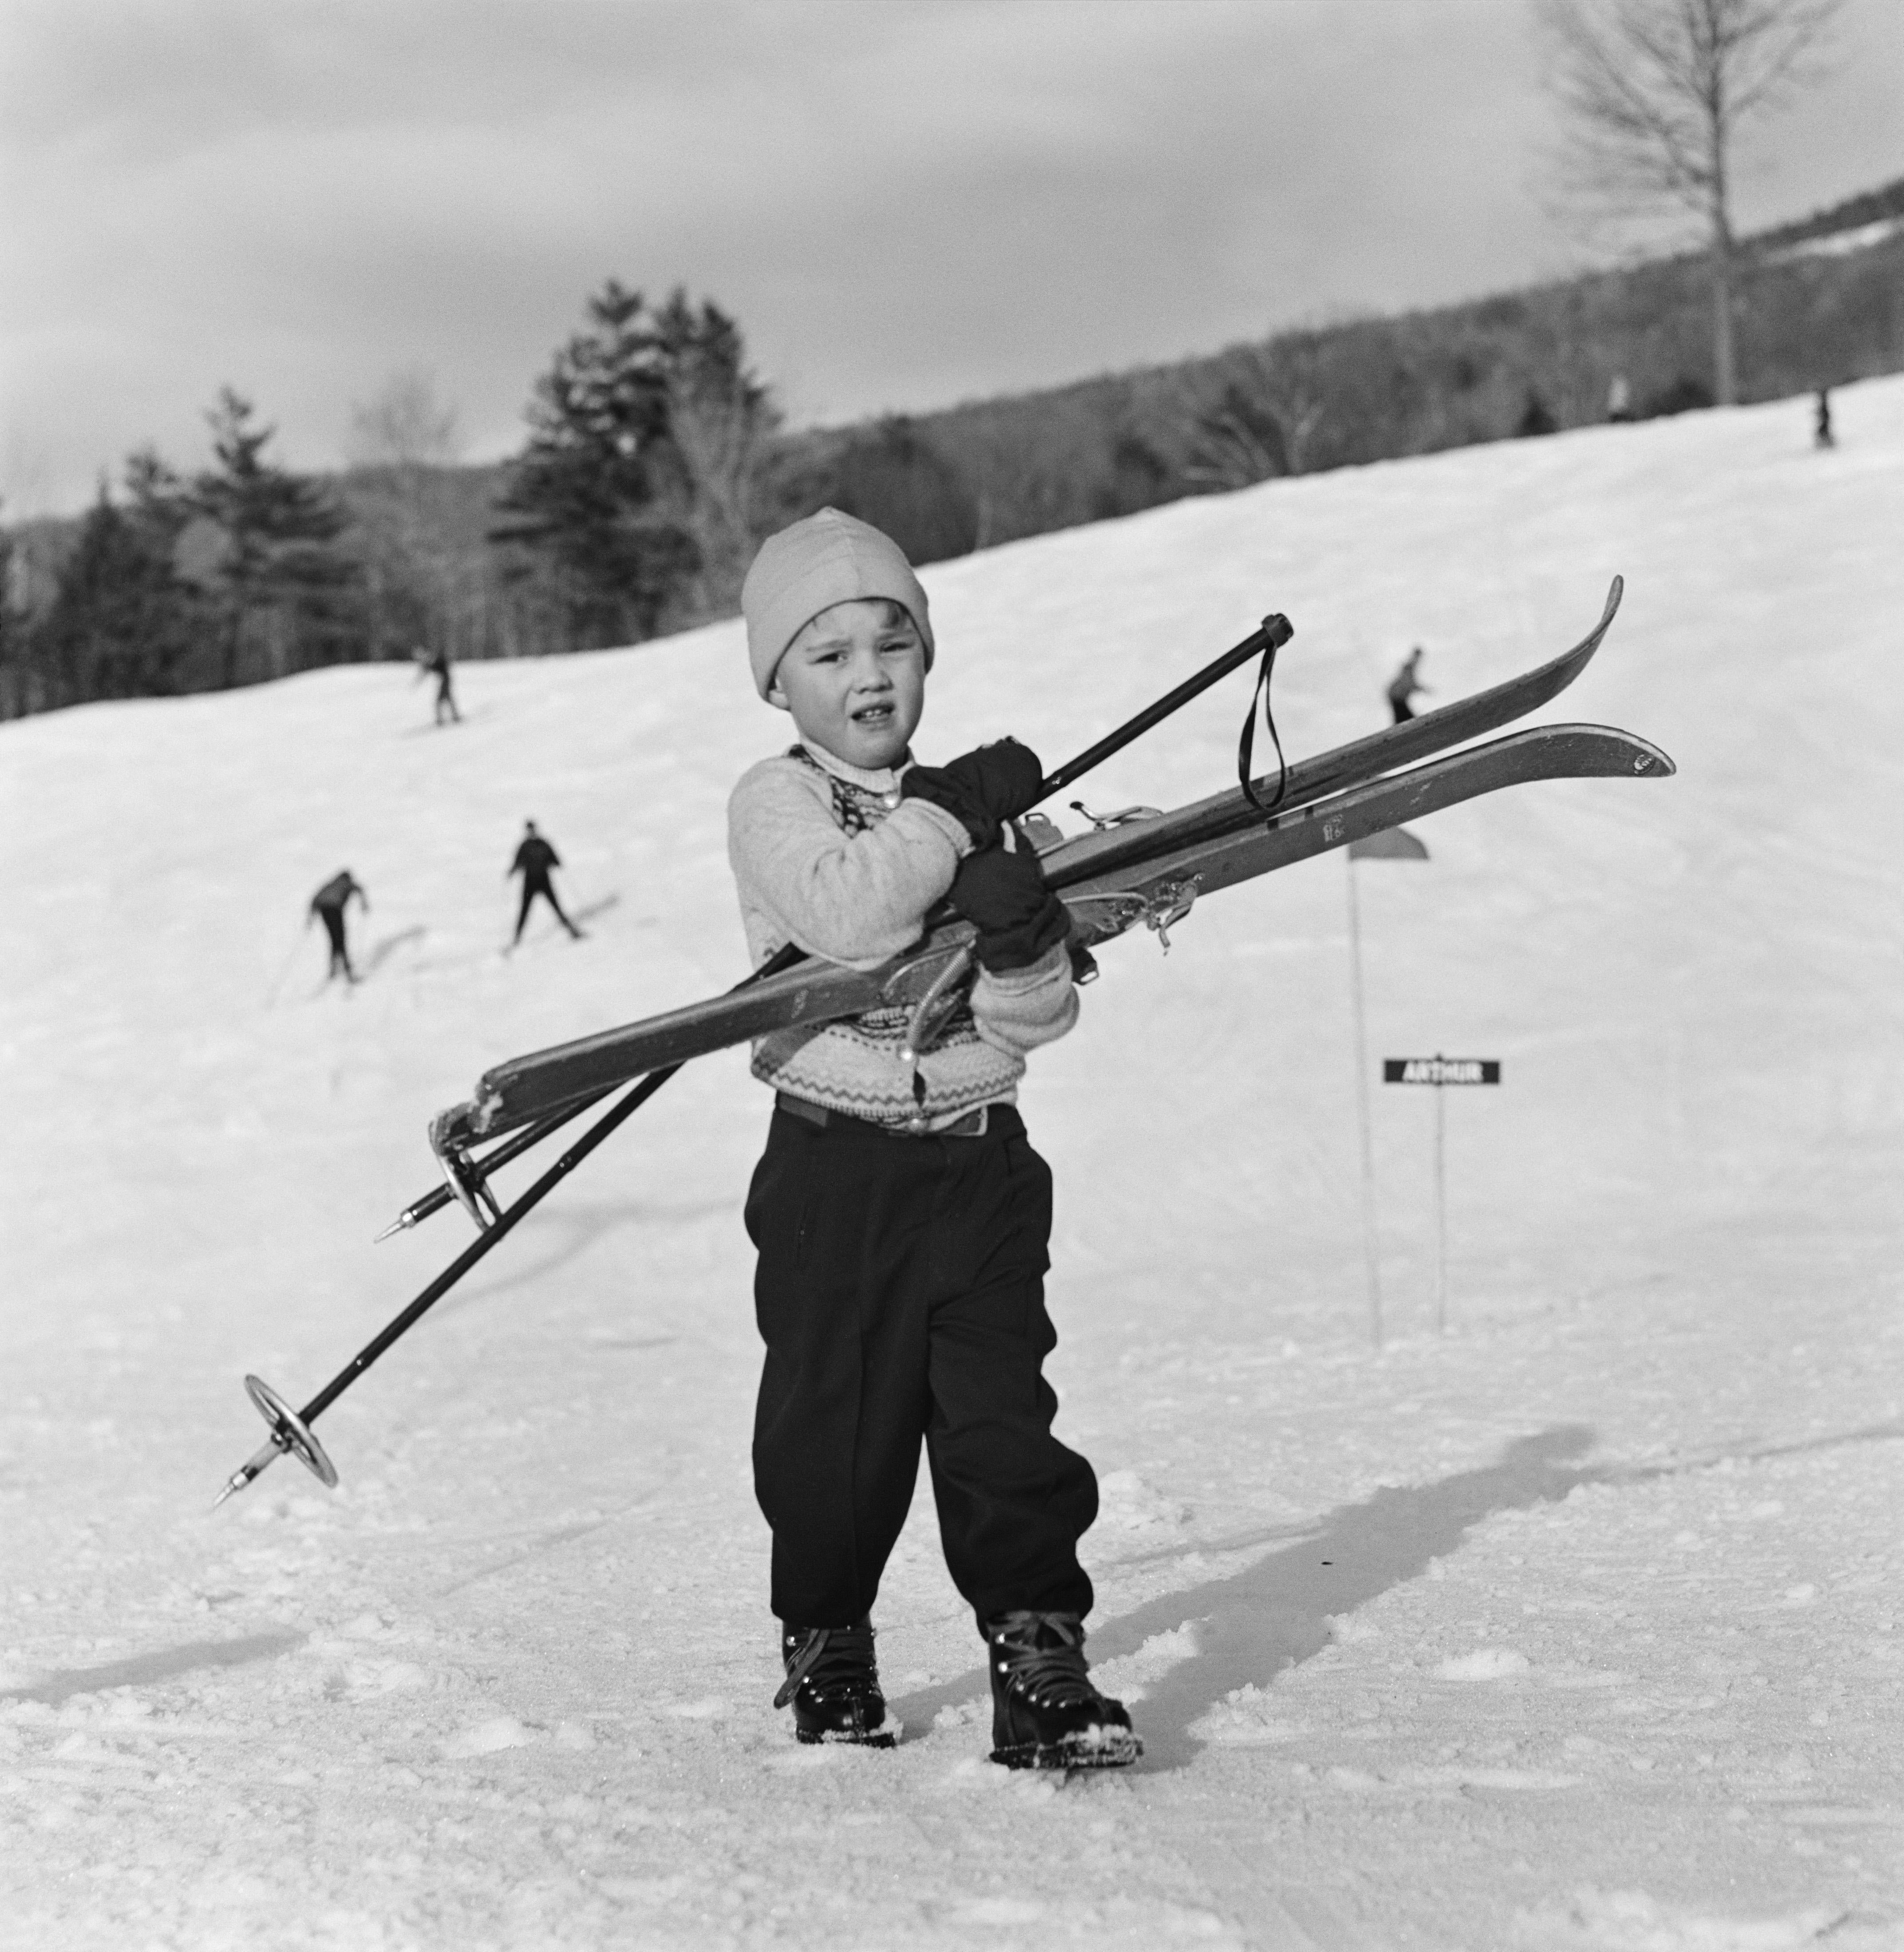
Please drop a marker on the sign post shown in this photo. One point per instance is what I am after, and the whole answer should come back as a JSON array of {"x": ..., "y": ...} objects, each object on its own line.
[
  {"x": 1441, "y": 1072},
  {"x": 1395, "y": 843}
]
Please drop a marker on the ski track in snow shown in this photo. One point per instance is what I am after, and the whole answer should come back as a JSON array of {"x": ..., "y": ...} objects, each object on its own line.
[{"x": 1575, "y": 1628}]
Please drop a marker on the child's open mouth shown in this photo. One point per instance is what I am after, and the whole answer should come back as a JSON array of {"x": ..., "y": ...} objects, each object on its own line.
[{"x": 872, "y": 715}]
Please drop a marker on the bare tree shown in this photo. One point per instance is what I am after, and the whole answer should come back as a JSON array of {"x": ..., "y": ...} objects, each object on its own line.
[
  {"x": 1654, "y": 92},
  {"x": 399, "y": 437},
  {"x": 721, "y": 417},
  {"x": 1271, "y": 402},
  {"x": 404, "y": 425}
]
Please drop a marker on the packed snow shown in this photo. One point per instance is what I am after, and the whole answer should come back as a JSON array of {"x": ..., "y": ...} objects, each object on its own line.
[{"x": 1575, "y": 1626}]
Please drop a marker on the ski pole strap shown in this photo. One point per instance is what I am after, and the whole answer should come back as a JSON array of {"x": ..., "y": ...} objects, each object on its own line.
[
  {"x": 1273, "y": 631},
  {"x": 1246, "y": 744}
]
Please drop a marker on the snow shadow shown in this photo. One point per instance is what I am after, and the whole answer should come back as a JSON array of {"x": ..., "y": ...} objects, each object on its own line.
[
  {"x": 145, "y": 1670},
  {"x": 1275, "y": 1613},
  {"x": 573, "y": 1230},
  {"x": 600, "y": 906},
  {"x": 381, "y": 950}
]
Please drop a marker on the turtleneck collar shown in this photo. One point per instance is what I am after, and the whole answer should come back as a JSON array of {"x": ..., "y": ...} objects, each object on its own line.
[{"x": 885, "y": 779}]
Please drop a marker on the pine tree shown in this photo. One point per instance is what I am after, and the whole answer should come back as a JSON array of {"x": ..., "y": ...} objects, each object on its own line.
[
  {"x": 636, "y": 484},
  {"x": 122, "y": 624},
  {"x": 287, "y": 594}
]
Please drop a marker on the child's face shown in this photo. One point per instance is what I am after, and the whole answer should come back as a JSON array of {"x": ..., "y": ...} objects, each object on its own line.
[{"x": 854, "y": 681}]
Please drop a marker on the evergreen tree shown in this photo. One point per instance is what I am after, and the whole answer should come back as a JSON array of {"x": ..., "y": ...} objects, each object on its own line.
[
  {"x": 122, "y": 623},
  {"x": 636, "y": 485},
  {"x": 14, "y": 684},
  {"x": 285, "y": 591}
]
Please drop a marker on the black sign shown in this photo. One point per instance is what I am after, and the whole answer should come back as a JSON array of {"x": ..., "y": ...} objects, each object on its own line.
[{"x": 1441, "y": 1071}]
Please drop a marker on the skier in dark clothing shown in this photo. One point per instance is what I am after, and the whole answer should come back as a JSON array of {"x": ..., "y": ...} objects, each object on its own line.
[
  {"x": 1403, "y": 686},
  {"x": 534, "y": 858},
  {"x": 436, "y": 664},
  {"x": 1821, "y": 433},
  {"x": 328, "y": 906}
]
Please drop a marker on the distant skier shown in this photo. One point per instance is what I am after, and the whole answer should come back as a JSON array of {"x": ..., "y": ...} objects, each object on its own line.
[
  {"x": 1822, "y": 435},
  {"x": 1619, "y": 400},
  {"x": 436, "y": 664},
  {"x": 534, "y": 858},
  {"x": 1403, "y": 687},
  {"x": 327, "y": 906}
]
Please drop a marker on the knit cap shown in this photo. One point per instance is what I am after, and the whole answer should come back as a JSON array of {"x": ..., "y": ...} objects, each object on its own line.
[{"x": 826, "y": 558}]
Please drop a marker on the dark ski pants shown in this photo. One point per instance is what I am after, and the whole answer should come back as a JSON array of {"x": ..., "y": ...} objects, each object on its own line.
[
  {"x": 900, "y": 1292},
  {"x": 333, "y": 921},
  {"x": 531, "y": 888}
]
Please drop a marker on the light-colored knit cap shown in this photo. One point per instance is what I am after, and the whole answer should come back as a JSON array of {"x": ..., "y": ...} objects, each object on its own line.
[{"x": 824, "y": 559}]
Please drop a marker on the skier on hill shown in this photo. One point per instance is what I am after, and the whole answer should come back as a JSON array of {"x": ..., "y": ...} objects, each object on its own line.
[
  {"x": 1404, "y": 686},
  {"x": 534, "y": 858},
  {"x": 901, "y": 1215},
  {"x": 327, "y": 906},
  {"x": 1821, "y": 434},
  {"x": 436, "y": 664}
]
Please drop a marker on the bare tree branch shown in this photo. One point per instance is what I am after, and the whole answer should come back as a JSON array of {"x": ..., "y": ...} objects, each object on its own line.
[
  {"x": 1653, "y": 93},
  {"x": 406, "y": 425}
]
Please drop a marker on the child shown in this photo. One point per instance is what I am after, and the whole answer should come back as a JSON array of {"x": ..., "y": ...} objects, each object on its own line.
[{"x": 900, "y": 1215}]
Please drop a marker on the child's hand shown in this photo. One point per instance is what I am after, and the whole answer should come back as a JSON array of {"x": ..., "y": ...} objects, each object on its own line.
[
  {"x": 981, "y": 788},
  {"x": 1004, "y": 896}
]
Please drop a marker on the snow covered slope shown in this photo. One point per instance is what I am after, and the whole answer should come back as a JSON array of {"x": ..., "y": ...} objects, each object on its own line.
[{"x": 1576, "y": 1626}]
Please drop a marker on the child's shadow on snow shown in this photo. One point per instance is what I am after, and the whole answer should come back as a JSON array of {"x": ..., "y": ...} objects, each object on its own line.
[{"x": 1275, "y": 1613}]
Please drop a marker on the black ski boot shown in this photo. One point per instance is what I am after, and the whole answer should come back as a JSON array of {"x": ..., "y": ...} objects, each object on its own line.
[
  {"x": 834, "y": 1685},
  {"x": 1045, "y": 1712}
]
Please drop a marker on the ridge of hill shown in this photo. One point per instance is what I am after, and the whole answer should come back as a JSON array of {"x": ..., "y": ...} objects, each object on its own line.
[{"x": 1820, "y": 302}]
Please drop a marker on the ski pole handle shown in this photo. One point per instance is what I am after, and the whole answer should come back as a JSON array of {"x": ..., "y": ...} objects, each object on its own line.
[{"x": 1272, "y": 634}]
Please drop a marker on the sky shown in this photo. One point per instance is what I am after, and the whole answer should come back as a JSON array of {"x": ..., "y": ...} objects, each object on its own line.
[{"x": 905, "y": 203}]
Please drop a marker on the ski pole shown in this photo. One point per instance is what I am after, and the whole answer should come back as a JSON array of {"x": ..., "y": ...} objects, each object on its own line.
[
  {"x": 438, "y": 1197},
  {"x": 291, "y": 1429},
  {"x": 1272, "y": 634}
]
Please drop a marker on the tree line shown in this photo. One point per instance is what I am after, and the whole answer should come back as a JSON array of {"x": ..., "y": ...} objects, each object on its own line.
[
  {"x": 655, "y": 460},
  {"x": 632, "y": 509}
]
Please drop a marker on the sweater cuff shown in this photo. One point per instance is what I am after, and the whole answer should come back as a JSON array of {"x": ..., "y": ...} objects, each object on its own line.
[
  {"x": 949, "y": 824},
  {"x": 1033, "y": 975}
]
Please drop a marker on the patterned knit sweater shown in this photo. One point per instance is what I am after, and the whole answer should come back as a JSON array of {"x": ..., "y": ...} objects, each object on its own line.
[{"x": 830, "y": 857}]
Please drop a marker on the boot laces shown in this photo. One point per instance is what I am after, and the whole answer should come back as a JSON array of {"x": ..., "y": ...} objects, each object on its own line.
[
  {"x": 831, "y": 1661},
  {"x": 1053, "y": 1675}
]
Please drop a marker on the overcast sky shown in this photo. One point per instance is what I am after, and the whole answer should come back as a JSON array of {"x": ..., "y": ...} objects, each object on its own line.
[{"x": 904, "y": 202}]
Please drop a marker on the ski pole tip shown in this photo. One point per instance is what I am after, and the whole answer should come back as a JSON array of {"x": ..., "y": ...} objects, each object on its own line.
[{"x": 403, "y": 1220}]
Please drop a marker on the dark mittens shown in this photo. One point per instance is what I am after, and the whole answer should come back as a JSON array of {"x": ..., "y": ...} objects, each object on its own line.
[
  {"x": 1004, "y": 896},
  {"x": 980, "y": 788}
]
